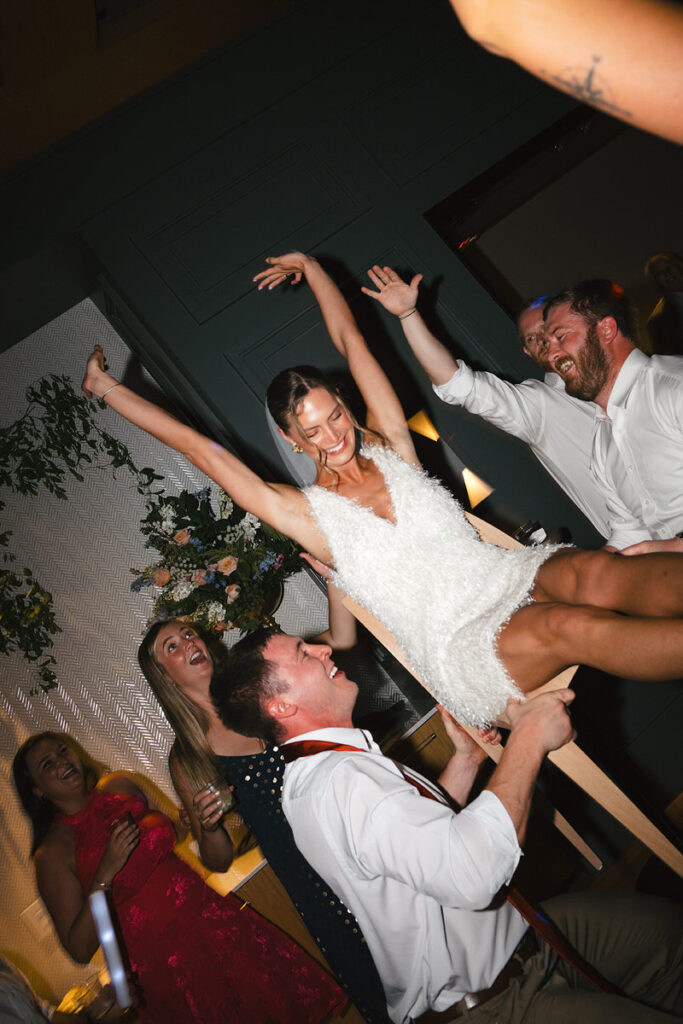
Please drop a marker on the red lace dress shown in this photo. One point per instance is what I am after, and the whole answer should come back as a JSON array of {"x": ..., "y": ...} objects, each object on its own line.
[{"x": 199, "y": 959}]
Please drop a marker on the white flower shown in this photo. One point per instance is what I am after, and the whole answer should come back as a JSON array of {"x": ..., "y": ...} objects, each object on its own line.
[
  {"x": 230, "y": 536},
  {"x": 225, "y": 505},
  {"x": 167, "y": 524},
  {"x": 249, "y": 526},
  {"x": 214, "y": 612},
  {"x": 182, "y": 590}
]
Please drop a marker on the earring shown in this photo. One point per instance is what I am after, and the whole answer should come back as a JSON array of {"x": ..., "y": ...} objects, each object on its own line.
[{"x": 297, "y": 449}]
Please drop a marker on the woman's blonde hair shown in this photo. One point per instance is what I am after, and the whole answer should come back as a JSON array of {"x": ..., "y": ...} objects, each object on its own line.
[{"x": 188, "y": 721}]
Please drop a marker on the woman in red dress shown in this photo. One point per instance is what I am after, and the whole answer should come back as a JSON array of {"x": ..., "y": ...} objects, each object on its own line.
[{"x": 198, "y": 956}]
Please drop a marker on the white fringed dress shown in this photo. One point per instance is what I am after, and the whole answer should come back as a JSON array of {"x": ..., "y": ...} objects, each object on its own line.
[{"x": 442, "y": 591}]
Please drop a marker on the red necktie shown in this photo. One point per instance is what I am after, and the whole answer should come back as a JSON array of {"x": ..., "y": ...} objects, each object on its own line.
[{"x": 536, "y": 918}]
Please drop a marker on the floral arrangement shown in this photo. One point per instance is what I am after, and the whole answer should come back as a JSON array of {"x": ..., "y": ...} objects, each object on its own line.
[{"x": 220, "y": 567}]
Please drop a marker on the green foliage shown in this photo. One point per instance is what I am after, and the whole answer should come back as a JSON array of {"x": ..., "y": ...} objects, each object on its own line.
[
  {"x": 57, "y": 436},
  {"x": 27, "y": 621},
  {"x": 220, "y": 566}
]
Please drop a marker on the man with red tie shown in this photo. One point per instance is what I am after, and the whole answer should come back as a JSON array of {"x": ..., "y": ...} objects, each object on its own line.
[{"x": 422, "y": 872}]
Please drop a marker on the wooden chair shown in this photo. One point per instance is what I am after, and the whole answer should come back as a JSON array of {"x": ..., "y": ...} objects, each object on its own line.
[{"x": 570, "y": 759}]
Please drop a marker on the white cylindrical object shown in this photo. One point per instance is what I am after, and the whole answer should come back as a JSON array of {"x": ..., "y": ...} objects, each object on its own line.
[{"x": 99, "y": 908}]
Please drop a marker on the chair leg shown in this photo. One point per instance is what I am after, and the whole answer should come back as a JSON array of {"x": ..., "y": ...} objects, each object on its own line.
[
  {"x": 558, "y": 820},
  {"x": 625, "y": 872},
  {"x": 585, "y": 773}
]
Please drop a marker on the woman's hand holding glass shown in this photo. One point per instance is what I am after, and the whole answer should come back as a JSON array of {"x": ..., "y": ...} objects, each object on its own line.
[{"x": 212, "y": 803}]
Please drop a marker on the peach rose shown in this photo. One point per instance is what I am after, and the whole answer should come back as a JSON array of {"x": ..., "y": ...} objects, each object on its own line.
[
  {"x": 182, "y": 537},
  {"x": 227, "y": 565},
  {"x": 232, "y": 592},
  {"x": 199, "y": 577},
  {"x": 161, "y": 577}
]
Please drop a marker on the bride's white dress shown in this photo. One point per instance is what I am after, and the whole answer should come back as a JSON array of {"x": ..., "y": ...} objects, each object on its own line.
[{"x": 443, "y": 592}]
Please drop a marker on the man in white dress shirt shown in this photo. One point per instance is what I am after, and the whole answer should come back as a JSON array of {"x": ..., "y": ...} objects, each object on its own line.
[
  {"x": 638, "y": 443},
  {"x": 557, "y": 428},
  {"x": 421, "y": 877}
]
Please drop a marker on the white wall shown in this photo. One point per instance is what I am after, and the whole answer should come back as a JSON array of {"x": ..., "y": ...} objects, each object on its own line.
[{"x": 81, "y": 550}]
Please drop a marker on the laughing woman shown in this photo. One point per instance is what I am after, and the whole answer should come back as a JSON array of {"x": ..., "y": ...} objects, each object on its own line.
[
  {"x": 198, "y": 957},
  {"x": 479, "y": 624}
]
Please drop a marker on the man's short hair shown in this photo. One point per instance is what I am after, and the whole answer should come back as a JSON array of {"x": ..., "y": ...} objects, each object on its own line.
[
  {"x": 244, "y": 683},
  {"x": 594, "y": 299}
]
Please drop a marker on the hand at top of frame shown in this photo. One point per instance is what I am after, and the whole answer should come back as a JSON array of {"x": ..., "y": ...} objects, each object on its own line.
[
  {"x": 397, "y": 296},
  {"x": 651, "y": 547}
]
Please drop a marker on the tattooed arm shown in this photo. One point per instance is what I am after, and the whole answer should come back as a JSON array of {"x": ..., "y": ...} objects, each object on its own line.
[{"x": 624, "y": 57}]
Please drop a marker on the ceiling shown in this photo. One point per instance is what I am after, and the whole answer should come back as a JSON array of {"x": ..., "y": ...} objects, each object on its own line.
[{"x": 64, "y": 65}]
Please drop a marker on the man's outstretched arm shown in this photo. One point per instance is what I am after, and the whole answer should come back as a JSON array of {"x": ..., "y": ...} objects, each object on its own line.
[
  {"x": 400, "y": 298},
  {"x": 622, "y": 58},
  {"x": 538, "y": 726}
]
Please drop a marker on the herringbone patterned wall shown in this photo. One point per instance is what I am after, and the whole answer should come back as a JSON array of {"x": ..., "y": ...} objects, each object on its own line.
[{"x": 81, "y": 550}]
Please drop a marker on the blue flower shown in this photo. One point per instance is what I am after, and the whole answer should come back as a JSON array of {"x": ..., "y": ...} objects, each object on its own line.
[{"x": 139, "y": 583}]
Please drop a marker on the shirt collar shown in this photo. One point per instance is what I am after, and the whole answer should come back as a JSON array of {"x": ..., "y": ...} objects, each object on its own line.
[
  {"x": 553, "y": 380},
  {"x": 626, "y": 378},
  {"x": 352, "y": 737}
]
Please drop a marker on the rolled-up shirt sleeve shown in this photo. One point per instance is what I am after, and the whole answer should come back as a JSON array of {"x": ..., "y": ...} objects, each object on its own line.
[
  {"x": 514, "y": 408},
  {"x": 387, "y": 828}
]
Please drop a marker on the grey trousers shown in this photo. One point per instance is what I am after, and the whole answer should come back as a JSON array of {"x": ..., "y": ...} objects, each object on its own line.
[{"x": 634, "y": 941}]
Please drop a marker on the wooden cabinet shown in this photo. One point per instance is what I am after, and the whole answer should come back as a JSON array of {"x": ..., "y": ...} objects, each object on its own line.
[{"x": 427, "y": 749}]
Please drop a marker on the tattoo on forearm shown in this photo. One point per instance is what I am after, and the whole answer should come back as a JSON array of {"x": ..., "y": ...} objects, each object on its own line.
[{"x": 587, "y": 86}]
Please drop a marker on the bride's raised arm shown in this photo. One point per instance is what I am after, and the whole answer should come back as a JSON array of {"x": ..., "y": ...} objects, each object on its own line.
[
  {"x": 280, "y": 505},
  {"x": 384, "y": 411}
]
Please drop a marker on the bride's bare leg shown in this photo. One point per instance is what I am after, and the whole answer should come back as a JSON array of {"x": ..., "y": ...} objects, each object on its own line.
[
  {"x": 542, "y": 639},
  {"x": 644, "y": 585}
]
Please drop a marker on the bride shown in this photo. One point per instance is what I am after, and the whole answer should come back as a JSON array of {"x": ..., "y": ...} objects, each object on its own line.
[{"x": 477, "y": 622}]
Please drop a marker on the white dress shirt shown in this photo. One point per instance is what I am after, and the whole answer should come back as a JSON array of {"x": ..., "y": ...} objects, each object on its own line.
[
  {"x": 638, "y": 450},
  {"x": 417, "y": 876},
  {"x": 18, "y": 1004},
  {"x": 558, "y": 428}
]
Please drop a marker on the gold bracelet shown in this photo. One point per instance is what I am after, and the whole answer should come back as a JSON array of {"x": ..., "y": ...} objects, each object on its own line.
[{"x": 110, "y": 389}]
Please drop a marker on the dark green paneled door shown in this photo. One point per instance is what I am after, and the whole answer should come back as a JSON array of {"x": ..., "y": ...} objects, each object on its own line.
[{"x": 343, "y": 162}]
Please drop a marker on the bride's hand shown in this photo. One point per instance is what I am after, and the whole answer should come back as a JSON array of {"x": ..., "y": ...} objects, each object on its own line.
[
  {"x": 292, "y": 264},
  {"x": 315, "y": 563},
  {"x": 96, "y": 377}
]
